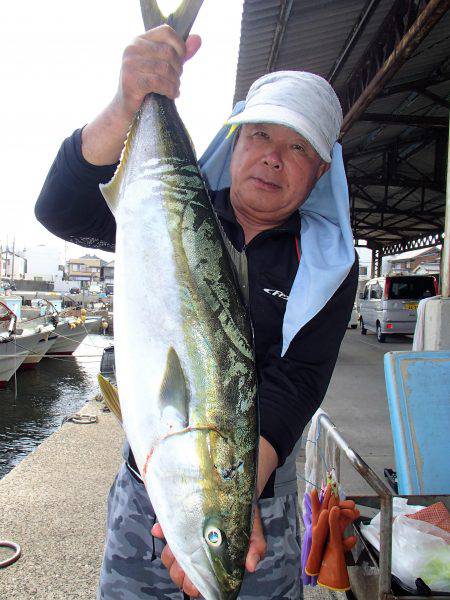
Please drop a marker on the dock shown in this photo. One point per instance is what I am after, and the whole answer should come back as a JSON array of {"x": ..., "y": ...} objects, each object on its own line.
[
  {"x": 54, "y": 502},
  {"x": 54, "y": 506}
]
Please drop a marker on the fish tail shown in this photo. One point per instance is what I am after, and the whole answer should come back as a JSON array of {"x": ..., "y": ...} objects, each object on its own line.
[
  {"x": 151, "y": 14},
  {"x": 181, "y": 20}
]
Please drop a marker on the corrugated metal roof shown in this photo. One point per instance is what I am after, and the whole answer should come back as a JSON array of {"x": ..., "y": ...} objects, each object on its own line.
[{"x": 313, "y": 38}]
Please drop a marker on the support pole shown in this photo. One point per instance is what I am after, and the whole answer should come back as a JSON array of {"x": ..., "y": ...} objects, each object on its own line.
[{"x": 445, "y": 259}]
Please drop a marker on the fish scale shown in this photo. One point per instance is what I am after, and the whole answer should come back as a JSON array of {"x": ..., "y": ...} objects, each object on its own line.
[{"x": 184, "y": 348}]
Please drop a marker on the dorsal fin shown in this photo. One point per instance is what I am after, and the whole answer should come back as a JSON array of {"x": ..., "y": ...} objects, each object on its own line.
[
  {"x": 181, "y": 20},
  {"x": 174, "y": 391},
  {"x": 111, "y": 190}
]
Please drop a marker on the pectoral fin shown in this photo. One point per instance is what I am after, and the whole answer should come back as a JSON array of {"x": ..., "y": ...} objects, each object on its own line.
[
  {"x": 174, "y": 394},
  {"x": 110, "y": 396}
]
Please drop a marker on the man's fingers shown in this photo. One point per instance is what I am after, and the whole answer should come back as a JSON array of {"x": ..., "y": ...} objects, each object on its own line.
[
  {"x": 257, "y": 546},
  {"x": 157, "y": 531},
  {"x": 157, "y": 84},
  {"x": 165, "y": 34},
  {"x": 176, "y": 574},
  {"x": 251, "y": 562},
  {"x": 167, "y": 557},
  {"x": 189, "y": 588},
  {"x": 175, "y": 571},
  {"x": 147, "y": 49},
  {"x": 193, "y": 43}
]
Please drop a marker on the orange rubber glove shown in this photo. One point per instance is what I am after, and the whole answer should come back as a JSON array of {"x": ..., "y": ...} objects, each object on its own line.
[
  {"x": 333, "y": 571},
  {"x": 319, "y": 530}
]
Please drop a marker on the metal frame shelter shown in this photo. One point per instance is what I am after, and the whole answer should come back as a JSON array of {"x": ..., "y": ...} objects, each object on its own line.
[{"x": 389, "y": 62}]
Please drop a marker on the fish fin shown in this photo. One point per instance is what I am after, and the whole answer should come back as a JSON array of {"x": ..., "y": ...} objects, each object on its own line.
[
  {"x": 111, "y": 190},
  {"x": 173, "y": 394},
  {"x": 110, "y": 396},
  {"x": 181, "y": 19}
]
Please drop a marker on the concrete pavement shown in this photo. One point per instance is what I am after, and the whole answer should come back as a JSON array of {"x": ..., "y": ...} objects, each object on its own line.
[{"x": 54, "y": 502}]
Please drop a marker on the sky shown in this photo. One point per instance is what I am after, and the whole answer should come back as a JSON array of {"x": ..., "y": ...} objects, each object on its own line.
[{"x": 60, "y": 67}]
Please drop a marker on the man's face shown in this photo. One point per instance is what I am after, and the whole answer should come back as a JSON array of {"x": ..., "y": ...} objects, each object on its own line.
[{"x": 273, "y": 170}]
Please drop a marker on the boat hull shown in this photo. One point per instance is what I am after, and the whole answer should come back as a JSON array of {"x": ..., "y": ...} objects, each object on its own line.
[
  {"x": 35, "y": 357},
  {"x": 14, "y": 352},
  {"x": 69, "y": 339}
]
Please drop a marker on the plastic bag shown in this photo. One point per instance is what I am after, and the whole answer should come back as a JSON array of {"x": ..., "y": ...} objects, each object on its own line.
[{"x": 419, "y": 549}]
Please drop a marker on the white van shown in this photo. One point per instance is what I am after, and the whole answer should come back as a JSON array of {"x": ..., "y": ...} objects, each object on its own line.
[{"x": 389, "y": 304}]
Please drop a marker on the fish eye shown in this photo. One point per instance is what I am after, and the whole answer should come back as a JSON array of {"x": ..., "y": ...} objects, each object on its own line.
[{"x": 213, "y": 536}]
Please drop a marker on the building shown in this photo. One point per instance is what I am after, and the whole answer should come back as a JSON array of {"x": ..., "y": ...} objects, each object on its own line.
[
  {"x": 86, "y": 268},
  {"x": 12, "y": 261},
  {"x": 417, "y": 262},
  {"x": 43, "y": 263},
  {"x": 107, "y": 275}
]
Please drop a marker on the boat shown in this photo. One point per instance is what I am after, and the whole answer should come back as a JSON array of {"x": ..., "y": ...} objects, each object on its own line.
[
  {"x": 48, "y": 339},
  {"x": 17, "y": 344},
  {"x": 70, "y": 332}
]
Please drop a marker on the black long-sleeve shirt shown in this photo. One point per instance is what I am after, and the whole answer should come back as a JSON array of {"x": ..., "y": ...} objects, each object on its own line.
[{"x": 291, "y": 387}]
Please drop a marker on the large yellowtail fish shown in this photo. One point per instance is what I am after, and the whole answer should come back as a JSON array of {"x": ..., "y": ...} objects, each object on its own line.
[{"x": 183, "y": 345}]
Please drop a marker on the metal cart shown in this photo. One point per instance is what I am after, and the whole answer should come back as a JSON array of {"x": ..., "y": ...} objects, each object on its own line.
[{"x": 370, "y": 571}]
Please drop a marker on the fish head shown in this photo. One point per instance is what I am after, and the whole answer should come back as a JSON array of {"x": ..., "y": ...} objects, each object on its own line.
[{"x": 203, "y": 499}]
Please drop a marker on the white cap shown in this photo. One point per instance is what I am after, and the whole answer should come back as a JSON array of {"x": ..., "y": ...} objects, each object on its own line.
[{"x": 302, "y": 101}]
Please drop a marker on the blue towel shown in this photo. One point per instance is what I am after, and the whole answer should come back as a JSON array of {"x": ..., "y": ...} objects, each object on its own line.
[{"x": 327, "y": 250}]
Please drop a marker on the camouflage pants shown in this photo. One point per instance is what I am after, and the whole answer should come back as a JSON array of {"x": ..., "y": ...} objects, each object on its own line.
[{"x": 132, "y": 569}]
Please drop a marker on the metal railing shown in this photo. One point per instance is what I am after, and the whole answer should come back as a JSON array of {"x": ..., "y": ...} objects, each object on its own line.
[{"x": 329, "y": 428}]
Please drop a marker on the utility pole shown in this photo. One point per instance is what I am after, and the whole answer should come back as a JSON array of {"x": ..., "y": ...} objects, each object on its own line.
[{"x": 13, "y": 257}]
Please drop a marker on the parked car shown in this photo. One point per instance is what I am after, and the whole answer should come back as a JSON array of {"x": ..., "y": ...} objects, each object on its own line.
[
  {"x": 74, "y": 290},
  {"x": 389, "y": 304}
]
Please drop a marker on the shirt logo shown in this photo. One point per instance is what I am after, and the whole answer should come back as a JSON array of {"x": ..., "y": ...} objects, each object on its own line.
[{"x": 276, "y": 293}]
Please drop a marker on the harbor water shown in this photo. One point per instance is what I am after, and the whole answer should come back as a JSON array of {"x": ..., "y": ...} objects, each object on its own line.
[{"x": 36, "y": 406}]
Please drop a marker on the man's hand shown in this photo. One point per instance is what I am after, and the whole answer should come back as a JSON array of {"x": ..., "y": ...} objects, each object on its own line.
[
  {"x": 256, "y": 552},
  {"x": 153, "y": 62}
]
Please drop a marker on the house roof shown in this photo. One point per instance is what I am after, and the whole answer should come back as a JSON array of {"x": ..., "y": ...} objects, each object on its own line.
[{"x": 413, "y": 254}]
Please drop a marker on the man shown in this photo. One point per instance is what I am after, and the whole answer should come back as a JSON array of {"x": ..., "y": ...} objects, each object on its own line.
[{"x": 281, "y": 155}]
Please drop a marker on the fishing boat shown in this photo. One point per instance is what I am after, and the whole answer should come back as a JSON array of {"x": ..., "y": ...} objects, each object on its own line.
[
  {"x": 70, "y": 332},
  {"x": 17, "y": 344},
  {"x": 48, "y": 339}
]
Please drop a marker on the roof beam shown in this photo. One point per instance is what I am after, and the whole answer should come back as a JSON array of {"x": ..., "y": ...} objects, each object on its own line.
[
  {"x": 412, "y": 120},
  {"x": 283, "y": 17},
  {"x": 403, "y": 182},
  {"x": 352, "y": 39},
  {"x": 436, "y": 99},
  {"x": 422, "y": 25},
  {"x": 415, "y": 143},
  {"x": 397, "y": 211},
  {"x": 413, "y": 86},
  {"x": 394, "y": 230}
]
